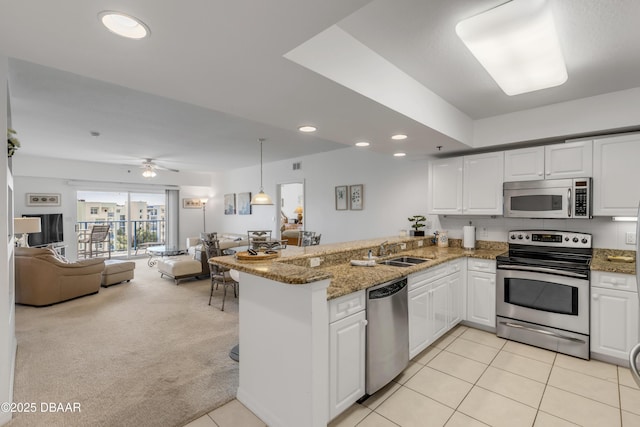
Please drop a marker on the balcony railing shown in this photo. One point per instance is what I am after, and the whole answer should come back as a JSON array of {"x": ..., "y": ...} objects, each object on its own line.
[{"x": 143, "y": 233}]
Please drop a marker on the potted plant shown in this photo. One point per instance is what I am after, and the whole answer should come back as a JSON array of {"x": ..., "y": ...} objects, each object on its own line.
[
  {"x": 417, "y": 225},
  {"x": 12, "y": 142}
]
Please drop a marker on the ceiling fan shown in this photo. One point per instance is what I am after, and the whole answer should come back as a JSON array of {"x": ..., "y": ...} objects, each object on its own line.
[{"x": 149, "y": 168}]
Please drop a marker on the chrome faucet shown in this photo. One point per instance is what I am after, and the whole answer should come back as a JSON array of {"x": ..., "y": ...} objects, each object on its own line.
[{"x": 383, "y": 250}]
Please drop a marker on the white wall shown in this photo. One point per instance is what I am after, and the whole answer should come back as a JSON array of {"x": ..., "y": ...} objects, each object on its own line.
[
  {"x": 394, "y": 189},
  {"x": 593, "y": 115},
  {"x": 606, "y": 233}
]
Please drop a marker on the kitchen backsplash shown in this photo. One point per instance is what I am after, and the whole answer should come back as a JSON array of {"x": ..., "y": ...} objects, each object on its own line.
[{"x": 606, "y": 233}]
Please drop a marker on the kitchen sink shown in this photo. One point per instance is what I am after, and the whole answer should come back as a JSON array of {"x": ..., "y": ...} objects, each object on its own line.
[{"x": 404, "y": 261}]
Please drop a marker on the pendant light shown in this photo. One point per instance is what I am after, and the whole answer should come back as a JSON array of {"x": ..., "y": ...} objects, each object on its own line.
[{"x": 261, "y": 198}]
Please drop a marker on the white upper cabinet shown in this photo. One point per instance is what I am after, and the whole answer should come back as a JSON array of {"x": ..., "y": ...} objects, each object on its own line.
[
  {"x": 445, "y": 186},
  {"x": 616, "y": 174},
  {"x": 524, "y": 164},
  {"x": 469, "y": 185},
  {"x": 568, "y": 160},
  {"x": 482, "y": 187}
]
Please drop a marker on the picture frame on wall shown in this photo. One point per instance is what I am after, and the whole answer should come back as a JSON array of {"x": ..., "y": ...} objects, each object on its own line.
[
  {"x": 244, "y": 203},
  {"x": 342, "y": 198},
  {"x": 191, "y": 204},
  {"x": 356, "y": 197},
  {"x": 43, "y": 199},
  {"x": 230, "y": 204}
]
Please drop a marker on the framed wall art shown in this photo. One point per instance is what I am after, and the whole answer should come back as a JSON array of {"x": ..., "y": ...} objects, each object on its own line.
[
  {"x": 244, "y": 203},
  {"x": 356, "y": 197},
  {"x": 43, "y": 199},
  {"x": 342, "y": 198},
  {"x": 191, "y": 204},
  {"x": 230, "y": 204}
]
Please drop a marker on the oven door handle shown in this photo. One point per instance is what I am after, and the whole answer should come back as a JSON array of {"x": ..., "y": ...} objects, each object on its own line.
[
  {"x": 541, "y": 270},
  {"x": 543, "y": 332},
  {"x": 633, "y": 363}
]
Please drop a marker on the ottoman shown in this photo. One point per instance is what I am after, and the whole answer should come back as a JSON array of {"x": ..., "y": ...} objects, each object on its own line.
[
  {"x": 116, "y": 271},
  {"x": 179, "y": 268}
]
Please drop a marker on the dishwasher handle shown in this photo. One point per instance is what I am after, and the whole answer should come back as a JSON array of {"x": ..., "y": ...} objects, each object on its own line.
[{"x": 387, "y": 290}]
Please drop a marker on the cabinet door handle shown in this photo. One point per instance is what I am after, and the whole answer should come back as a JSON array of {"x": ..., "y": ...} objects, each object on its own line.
[
  {"x": 364, "y": 322},
  {"x": 596, "y": 296}
]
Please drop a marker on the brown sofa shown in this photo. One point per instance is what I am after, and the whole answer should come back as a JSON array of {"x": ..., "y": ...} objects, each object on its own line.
[{"x": 44, "y": 278}]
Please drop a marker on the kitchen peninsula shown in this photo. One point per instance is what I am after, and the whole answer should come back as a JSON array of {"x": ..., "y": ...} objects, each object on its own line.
[{"x": 285, "y": 313}]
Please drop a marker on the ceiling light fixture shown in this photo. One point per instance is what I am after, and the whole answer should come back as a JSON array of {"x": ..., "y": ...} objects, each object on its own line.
[
  {"x": 307, "y": 128},
  {"x": 399, "y": 154},
  {"x": 362, "y": 144},
  {"x": 148, "y": 172},
  {"x": 124, "y": 25},
  {"x": 399, "y": 137},
  {"x": 517, "y": 44},
  {"x": 261, "y": 198}
]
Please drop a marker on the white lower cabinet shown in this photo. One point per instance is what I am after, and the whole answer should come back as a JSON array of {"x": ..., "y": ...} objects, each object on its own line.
[
  {"x": 347, "y": 350},
  {"x": 435, "y": 304},
  {"x": 614, "y": 314},
  {"x": 419, "y": 325},
  {"x": 481, "y": 292}
]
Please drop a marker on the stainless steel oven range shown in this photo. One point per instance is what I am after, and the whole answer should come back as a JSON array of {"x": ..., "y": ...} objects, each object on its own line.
[{"x": 543, "y": 287}]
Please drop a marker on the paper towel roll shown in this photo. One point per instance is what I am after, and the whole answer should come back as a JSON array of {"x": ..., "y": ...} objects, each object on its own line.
[{"x": 469, "y": 237}]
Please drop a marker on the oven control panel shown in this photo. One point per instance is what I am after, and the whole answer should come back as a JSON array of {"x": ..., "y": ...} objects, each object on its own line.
[{"x": 564, "y": 239}]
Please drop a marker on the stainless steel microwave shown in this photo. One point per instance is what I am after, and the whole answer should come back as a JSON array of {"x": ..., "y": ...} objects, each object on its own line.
[{"x": 549, "y": 198}]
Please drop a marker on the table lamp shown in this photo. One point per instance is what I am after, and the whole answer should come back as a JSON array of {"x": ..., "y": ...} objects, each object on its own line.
[
  {"x": 24, "y": 226},
  {"x": 298, "y": 210}
]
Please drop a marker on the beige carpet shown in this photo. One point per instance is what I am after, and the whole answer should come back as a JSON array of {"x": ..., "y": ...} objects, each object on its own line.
[{"x": 144, "y": 353}]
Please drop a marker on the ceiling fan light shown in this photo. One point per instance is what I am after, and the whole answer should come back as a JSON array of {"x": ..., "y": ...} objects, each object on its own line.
[
  {"x": 517, "y": 44},
  {"x": 149, "y": 173}
]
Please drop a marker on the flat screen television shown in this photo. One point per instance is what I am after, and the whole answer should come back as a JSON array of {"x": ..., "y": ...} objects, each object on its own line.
[{"x": 51, "y": 225}]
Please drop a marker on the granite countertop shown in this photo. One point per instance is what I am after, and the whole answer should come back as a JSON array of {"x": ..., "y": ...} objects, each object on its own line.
[
  {"x": 292, "y": 266},
  {"x": 600, "y": 261}
]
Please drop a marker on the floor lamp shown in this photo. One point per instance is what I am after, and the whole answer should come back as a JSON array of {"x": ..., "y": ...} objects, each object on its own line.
[
  {"x": 24, "y": 226},
  {"x": 204, "y": 215}
]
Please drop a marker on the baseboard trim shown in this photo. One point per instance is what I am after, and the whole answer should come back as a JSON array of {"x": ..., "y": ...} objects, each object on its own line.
[{"x": 261, "y": 412}]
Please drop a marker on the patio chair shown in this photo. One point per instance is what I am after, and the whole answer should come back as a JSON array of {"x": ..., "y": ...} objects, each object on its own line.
[{"x": 96, "y": 242}]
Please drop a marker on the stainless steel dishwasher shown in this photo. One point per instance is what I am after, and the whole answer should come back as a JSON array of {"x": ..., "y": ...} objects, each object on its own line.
[{"x": 387, "y": 333}]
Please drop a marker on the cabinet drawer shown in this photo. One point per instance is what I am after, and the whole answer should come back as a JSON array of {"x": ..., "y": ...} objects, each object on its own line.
[
  {"x": 346, "y": 305},
  {"x": 619, "y": 281},
  {"x": 427, "y": 276},
  {"x": 486, "y": 265}
]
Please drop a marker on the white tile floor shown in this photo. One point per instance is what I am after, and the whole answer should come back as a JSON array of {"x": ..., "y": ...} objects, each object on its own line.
[{"x": 473, "y": 378}]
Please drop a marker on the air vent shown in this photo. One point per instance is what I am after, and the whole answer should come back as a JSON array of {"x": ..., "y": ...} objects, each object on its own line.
[{"x": 297, "y": 166}]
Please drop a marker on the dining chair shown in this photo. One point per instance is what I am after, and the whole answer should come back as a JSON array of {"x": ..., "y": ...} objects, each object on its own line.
[
  {"x": 219, "y": 275},
  {"x": 306, "y": 238},
  {"x": 256, "y": 237}
]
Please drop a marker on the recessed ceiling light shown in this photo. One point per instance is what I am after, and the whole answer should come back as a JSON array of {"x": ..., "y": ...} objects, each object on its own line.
[
  {"x": 399, "y": 137},
  {"x": 399, "y": 154},
  {"x": 362, "y": 144},
  {"x": 124, "y": 25},
  {"x": 307, "y": 128}
]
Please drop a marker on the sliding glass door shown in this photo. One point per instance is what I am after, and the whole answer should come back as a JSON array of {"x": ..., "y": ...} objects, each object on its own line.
[{"x": 135, "y": 220}]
